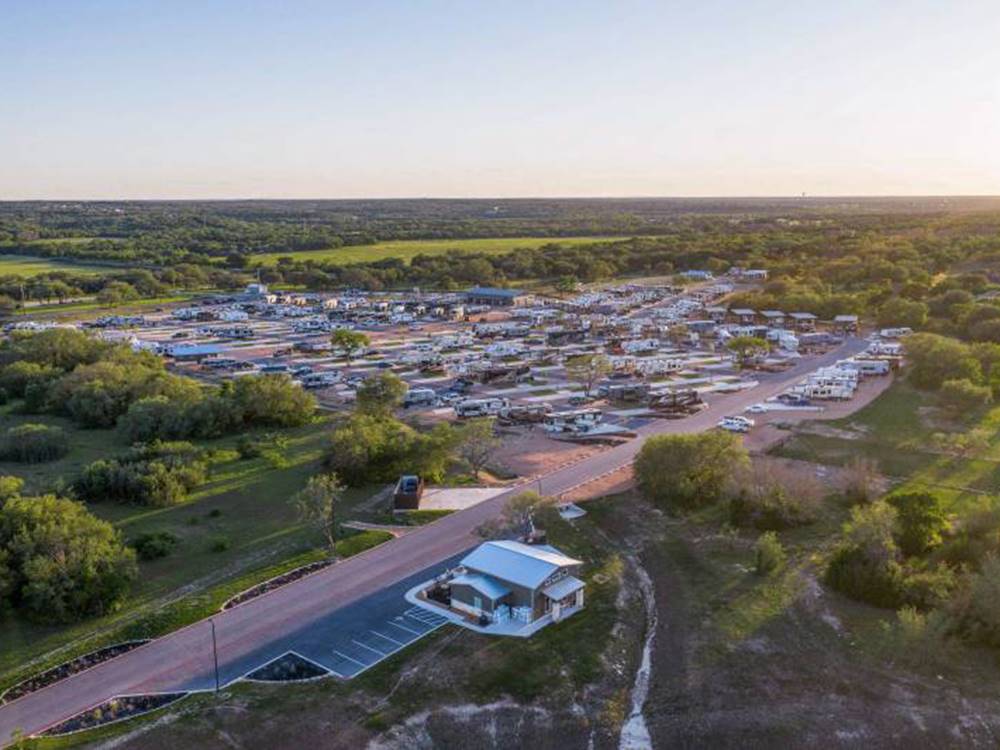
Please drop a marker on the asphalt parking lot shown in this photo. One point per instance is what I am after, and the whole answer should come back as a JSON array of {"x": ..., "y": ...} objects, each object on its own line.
[{"x": 349, "y": 640}]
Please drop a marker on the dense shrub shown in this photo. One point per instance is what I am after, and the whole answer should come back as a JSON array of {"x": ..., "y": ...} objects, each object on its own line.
[
  {"x": 933, "y": 359},
  {"x": 33, "y": 443},
  {"x": 252, "y": 401},
  {"x": 688, "y": 471},
  {"x": 17, "y": 376},
  {"x": 61, "y": 563},
  {"x": 920, "y": 521},
  {"x": 159, "y": 475},
  {"x": 878, "y": 582},
  {"x": 963, "y": 396},
  {"x": 364, "y": 449},
  {"x": 771, "y": 496},
  {"x": 769, "y": 555},
  {"x": 154, "y": 545}
]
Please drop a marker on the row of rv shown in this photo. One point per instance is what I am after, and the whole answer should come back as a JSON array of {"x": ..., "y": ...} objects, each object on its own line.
[
  {"x": 573, "y": 421},
  {"x": 839, "y": 381}
]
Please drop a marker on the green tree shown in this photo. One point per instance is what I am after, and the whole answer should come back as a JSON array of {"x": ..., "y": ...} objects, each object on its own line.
[
  {"x": 899, "y": 312},
  {"x": 477, "y": 443},
  {"x": 116, "y": 293},
  {"x": 934, "y": 359},
  {"x": 349, "y": 341},
  {"x": 521, "y": 511},
  {"x": 587, "y": 369},
  {"x": 688, "y": 471},
  {"x": 920, "y": 521},
  {"x": 66, "y": 563},
  {"x": 317, "y": 504},
  {"x": 380, "y": 394},
  {"x": 962, "y": 396},
  {"x": 746, "y": 348},
  {"x": 769, "y": 555}
]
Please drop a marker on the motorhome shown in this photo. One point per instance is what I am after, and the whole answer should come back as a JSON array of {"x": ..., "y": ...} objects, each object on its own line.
[
  {"x": 320, "y": 379},
  {"x": 480, "y": 407},
  {"x": 578, "y": 421},
  {"x": 638, "y": 346},
  {"x": 867, "y": 366},
  {"x": 420, "y": 397}
]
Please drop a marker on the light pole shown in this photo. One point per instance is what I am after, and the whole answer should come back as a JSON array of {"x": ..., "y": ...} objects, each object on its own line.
[{"x": 215, "y": 654}]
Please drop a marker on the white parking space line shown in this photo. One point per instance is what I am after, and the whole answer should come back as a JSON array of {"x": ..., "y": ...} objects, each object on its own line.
[
  {"x": 345, "y": 656},
  {"x": 381, "y": 654},
  {"x": 391, "y": 640},
  {"x": 403, "y": 627}
]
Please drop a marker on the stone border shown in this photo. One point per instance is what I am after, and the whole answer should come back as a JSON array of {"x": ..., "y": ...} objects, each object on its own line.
[
  {"x": 259, "y": 589},
  {"x": 168, "y": 699}
]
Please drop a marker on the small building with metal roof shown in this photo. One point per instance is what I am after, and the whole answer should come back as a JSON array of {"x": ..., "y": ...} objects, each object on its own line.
[{"x": 512, "y": 580}]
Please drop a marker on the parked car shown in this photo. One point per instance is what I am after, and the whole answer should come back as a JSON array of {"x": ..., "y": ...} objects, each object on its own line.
[
  {"x": 756, "y": 409},
  {"x": 580, "y": 399}
]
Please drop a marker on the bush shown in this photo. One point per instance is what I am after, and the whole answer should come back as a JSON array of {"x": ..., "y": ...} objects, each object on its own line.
[
  {"x": 963, "y": 396},
  {"x": 219, "y": 544},
  {"x": 62, "y": 563},
  {"x": 365, "y": 449},
  {"x": 159, "y": 475},
  {"x": 249, "y": 447},
  {"x": 688, "y": 471},
  {"x": 773, "y": 497},
  {"x": 769, "y": 555},
  {"x": 934, "y": 359},
  {"x": 152, "y": 546},
  {"x": 876, "y": 582},
  {"x": 33, "y": 443},
  {"x": 920, "y": 521}
]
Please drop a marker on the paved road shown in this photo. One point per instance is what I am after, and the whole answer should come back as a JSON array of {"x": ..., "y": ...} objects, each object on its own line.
[{"x": 257, "y": 631}]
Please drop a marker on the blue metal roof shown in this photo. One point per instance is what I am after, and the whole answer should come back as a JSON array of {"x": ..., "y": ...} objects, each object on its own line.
[
  {"x": 489, "y": 587},
  {"x": 523, "y": 564}
]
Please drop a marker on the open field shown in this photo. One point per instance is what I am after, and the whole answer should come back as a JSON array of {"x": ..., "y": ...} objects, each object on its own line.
[
  {"x": 407, "y": 249},
  {"x": 27, "y": 265},
  {"x": 896, "y": 431}
]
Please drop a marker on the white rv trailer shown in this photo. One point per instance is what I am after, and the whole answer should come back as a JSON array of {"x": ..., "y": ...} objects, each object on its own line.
[
  {"x": 480, "y": 407},
  {"x": 578, "y": 421}
]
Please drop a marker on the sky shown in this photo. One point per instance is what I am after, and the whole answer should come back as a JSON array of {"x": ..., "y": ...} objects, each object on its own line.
[{"x": 326, "y": 99}]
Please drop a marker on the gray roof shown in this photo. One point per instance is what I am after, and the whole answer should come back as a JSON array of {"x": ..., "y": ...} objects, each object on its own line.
[
  {"x": 563, "y": 588},
  {"x": 743, "y": 311},
  {"x": 803, "y": 316},
  {"x": 773, "y": 314},
  {"x": 485, "y": 585},
  {"x": 846, "y": 319},
  {"x": 522, "y": 564}
]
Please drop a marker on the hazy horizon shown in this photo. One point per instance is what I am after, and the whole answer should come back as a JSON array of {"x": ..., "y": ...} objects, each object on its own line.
[{"x": 325, "y": 101}]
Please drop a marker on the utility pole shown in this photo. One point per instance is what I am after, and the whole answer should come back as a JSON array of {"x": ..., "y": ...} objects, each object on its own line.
[{"x": 215, "y": 654}]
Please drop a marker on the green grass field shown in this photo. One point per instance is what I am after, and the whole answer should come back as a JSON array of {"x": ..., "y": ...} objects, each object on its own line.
[
  {"x": 407, "y": 249},
  {"x": 245, "y": 503},
  {"x": 896, "y": 432},
  {"x": 28, "y": 265}
]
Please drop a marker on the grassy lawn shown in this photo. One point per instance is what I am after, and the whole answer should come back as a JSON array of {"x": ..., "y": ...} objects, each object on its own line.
[
  {"x": 407, "y": 249},
  {"x": 29, "y": 265},
  {"x": 889, "y": 431},
  {"x": 234, "y": 531},
  {"x": 896, "y": 432}
]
